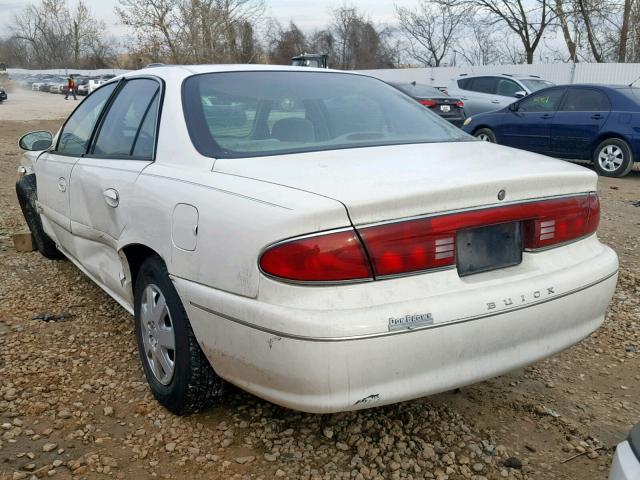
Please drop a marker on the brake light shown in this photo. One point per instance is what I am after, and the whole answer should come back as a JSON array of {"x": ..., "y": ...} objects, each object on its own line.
[
  {"x": 425, "y": 243},
  {"x": 322, "y": 258},
  {"x": 459, "y": 104},
  {"x": 428, "y": 243},
  {"x": 427, "y": 103}
]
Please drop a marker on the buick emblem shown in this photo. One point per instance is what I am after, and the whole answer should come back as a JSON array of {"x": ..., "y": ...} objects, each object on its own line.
[{"x": 501, "y": 194}]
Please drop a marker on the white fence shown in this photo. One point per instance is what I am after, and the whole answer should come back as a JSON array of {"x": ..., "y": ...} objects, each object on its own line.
[{"x": 560, "y": 73}]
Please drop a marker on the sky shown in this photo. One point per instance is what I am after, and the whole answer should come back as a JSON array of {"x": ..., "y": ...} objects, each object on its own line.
[{"x": 307, "y": 14}]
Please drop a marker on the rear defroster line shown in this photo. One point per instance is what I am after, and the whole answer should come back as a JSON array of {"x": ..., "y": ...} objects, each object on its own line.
[{"x": 399, "y": 332}]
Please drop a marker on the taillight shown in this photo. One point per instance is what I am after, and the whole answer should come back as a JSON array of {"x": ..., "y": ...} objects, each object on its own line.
[
  {"x": 428, "y": 243},
  {"x": 427, "y": 103},
  {"x": 330, "y": 257},
  {"x": 459, "y": 104},
  {"x": 425, "y": 243}
]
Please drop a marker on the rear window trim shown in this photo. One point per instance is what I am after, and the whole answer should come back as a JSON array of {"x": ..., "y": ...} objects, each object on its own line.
[{"x": 222, "y": 153}]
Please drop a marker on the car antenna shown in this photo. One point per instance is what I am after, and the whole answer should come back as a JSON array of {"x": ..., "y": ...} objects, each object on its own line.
[{"x": 631, "y": 84}]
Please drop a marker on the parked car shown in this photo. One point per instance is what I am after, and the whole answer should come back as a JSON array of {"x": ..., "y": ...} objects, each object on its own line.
[
  {"x": 449, "y": 108},
  {"x": 94, "y": 83},
  {"x": 3, "y": 95},
  {"x": 56, "y": 87},
  {"x": 626, "y": 461},
  {"x": 587, "y": 122},
  {"x": 338, "y": 249},
  {"x": 486, "y": 93},
  {"x": 83, "y": 85}
]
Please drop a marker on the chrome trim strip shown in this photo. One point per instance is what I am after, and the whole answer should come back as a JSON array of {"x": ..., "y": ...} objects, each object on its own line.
[
  {"x": 470, "y": 209},
  {"x": 399, "y": 332}
]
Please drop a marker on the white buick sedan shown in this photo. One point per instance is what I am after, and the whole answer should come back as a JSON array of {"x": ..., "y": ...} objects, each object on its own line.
[{"x": 314, "y": 237}]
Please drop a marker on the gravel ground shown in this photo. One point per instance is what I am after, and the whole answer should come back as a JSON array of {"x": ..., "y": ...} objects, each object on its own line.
[{"x": 74, "y": 402}]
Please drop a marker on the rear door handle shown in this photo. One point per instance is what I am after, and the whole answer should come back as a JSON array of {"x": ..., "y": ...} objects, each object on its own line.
[
  {"x": 495, "y": 101},
  {"x": 546, "y": 116},
  {"x": 111, "y": 197},
  {"x": 597, "y": 116}
]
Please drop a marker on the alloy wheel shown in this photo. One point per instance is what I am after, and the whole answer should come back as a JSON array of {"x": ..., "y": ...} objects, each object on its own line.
[
  {"x": 158, "y": 335},
  {"x": 610, "y": 158}
]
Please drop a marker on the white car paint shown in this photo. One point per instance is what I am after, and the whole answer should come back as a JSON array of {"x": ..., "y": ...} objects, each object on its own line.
[
  {"x": 328, "y": 348},
  {"x": 625, "y": 465}
]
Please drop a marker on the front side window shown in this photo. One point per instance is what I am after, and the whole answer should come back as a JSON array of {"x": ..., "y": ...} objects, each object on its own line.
[
  {"x": 236, "y": 114},
  {"x": 543, "y": 101},
  {"x": 508, "y": 88},
  {"x": 123, "y": 124},
  {"x": 585, "y": 100},
  {"x": 76, "y": 133}
]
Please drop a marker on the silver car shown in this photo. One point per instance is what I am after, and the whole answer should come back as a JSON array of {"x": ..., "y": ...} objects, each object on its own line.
[{"x": 486, "y": 93}]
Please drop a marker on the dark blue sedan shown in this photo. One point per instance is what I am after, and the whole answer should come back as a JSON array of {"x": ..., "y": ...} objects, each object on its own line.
[{"x": 589, "y": 122}]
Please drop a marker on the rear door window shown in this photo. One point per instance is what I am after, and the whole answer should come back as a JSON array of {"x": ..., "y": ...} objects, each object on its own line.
[
  {"x": 508, "y": 88},
  {"x": 122, "y": 125},
  {"x": 585, "y": 100},
  {"x": 484, "y": 85}
]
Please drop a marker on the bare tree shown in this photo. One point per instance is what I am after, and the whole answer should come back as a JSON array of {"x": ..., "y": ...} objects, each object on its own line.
[
  {"x": 431, "y": 29},
  {"x": 285, "y": 44},
  {"x": 527, "y": 19},
  {"x": 478, "y": 45}
]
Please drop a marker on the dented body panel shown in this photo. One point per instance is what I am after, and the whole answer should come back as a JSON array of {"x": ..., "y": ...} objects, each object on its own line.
[{"x": 331, "y": 347}]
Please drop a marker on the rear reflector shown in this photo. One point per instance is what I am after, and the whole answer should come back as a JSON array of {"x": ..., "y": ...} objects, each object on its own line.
[
  {"x": 322, "y": 258},
  {"x": 426, "y": 243}
]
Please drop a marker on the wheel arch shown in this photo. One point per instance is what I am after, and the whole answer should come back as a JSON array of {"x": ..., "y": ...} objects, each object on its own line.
[
  {"x": 605, "y": 136},
  {"x": 133, "y": 256}
]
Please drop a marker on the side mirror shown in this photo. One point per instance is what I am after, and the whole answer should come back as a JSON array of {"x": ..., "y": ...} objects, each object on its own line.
[
  {"x": 520, "y": 94},
  {"x": 36, "y": 141},
  {"x": 513, "y": 107}
]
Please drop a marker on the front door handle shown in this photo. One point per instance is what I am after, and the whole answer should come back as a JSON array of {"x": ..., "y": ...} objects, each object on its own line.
[
  {"x": 495, "y": 101},
  {"x": 546, "y": 116},
  {"x": 111, "y": 197},
  {"x": 597, "y": 116}
]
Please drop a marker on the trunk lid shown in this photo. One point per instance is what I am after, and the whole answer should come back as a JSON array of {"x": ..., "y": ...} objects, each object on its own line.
[{"x": 385, "y": 183}]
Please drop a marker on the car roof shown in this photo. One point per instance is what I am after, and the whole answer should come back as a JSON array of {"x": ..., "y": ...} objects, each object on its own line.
[
  {"x": 167, "y": 71},
  {"x": 507, "y": 75}
]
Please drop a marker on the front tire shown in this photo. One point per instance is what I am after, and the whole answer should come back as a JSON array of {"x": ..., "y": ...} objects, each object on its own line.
[
  {"x": 486, "y": 135},
  {"x": 613, "y": 158},
  {"x": 27, "y": 192},
  {"x": 178, "y": 373}
]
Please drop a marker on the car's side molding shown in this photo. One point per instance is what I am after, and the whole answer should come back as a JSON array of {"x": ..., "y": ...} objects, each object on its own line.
[{"x": 399, "y": 332}]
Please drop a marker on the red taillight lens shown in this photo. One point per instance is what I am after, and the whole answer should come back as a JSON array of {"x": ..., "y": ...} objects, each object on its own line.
[
  {"x": 425, "y": 243},
  {"x": 428, "y": 243},
  {"x": 427, "y": 103},
  {"x": 322, "y": 258},
  {"x": 459, "y": 104}
]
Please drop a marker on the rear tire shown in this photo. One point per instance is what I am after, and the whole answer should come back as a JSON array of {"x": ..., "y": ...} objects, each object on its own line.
[
  {"x": 486, "y": 135},
  {"x": 27, "y": 191},
  {"x": 613, "y": 158},
  {"x": 178, "y": 373}
]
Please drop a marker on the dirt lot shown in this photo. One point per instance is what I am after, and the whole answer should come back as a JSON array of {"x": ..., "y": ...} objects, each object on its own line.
[{"x": 74, "y": 403}]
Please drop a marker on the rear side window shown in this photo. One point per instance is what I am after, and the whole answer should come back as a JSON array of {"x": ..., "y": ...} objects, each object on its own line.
[
  {"x": 76, "y": 133},
  {"x": 484, "y": 85},
  {"x": 464, "y": 83},
  {"x": 123, "y": 124},
  {"x": 585, "y": 100}
]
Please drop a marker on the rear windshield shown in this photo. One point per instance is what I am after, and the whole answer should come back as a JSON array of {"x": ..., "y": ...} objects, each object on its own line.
[
  {"x": 535, "y": 85},
  {"x": 241, "y": 114},
  {"x": 419, "y": 91}
]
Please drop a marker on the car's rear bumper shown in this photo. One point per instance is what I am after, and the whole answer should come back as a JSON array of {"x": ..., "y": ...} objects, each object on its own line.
[
  {"x": 326, "y": 360},
  {"x": 626, "y": 465}
]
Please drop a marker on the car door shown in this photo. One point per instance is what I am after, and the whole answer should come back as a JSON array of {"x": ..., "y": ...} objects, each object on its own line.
[
  {"x": 102, "y": 182},
  {"x": 481, "y": 95},
  {"x": 53, "y": 168},
  {"x": 528, "y": 123},
  {"x": 579, "y": 119}
]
